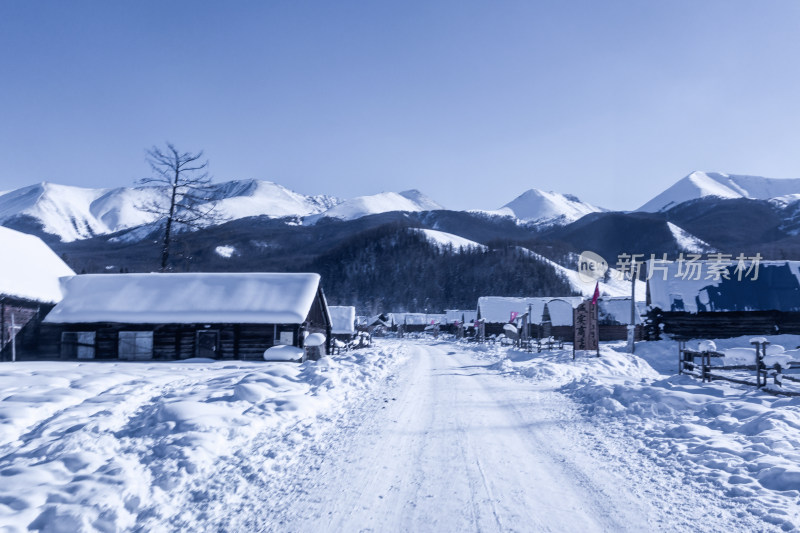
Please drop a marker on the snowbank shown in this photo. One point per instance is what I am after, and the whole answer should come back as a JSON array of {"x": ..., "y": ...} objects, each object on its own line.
[
  {"x": 741, "y": 443},
  {"x": 116, "y": 446}
]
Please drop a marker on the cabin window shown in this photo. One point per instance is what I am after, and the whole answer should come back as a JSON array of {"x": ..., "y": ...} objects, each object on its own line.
[
  {"x": 286, "y": 337},
  {"x": 135, "y": 345},
  {"x": 77, "y": 344}
]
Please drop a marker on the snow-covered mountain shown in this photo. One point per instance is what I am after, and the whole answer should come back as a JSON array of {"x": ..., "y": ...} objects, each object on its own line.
[
  {"x": 701, "y": 184},
  {"x": 73, "y": 213},
  {"x": 411, "y": 201},
  {"x": 240, "y": 199},
  {"x": 546, "y": 208}
]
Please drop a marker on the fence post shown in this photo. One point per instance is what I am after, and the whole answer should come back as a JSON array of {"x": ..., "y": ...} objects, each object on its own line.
[{"x": 761, "y": 352}]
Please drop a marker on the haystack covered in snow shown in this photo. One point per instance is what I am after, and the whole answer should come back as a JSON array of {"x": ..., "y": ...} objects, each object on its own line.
[
  {"x": 178, "y": 316},
  {"x": 343, "y": 320},
  {"x": 723, "y": 299},
  {"x": 29, "y": 286}
]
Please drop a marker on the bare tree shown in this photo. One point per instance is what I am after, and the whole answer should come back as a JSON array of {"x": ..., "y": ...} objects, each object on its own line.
[{"x": 187, "y": 202}]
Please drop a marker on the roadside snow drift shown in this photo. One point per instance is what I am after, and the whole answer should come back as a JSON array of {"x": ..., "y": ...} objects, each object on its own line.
[
  {"x": 117, "y": 446},
  {"x": 732, "y": 442}
]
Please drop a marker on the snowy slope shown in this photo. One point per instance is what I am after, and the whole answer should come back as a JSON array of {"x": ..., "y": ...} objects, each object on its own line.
[
  {"x": 615, "y": 286},
  {"x": 543, "y": 207},
  {"x": 688, "y": 242},
  {"x": 73, "y": 213},
  {"x": 443, "y": 239},
  {"x": 31, "y": 270},
  {"x": 411, "y": 201},
  {"x": 701, "y": 184}
]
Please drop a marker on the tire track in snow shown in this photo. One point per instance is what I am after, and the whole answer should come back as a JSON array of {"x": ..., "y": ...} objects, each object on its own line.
[{"x": 462, "y": 463}]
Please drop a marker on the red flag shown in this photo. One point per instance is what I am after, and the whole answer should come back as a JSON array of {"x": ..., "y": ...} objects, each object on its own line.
[
  {"x": 513, "y": 316},
  {"x": 596, "y": 293}
]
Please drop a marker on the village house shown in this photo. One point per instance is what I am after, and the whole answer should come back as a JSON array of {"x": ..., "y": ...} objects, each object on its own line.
[
  {"x": 713, "y": 299},
  {"x": 547, "y": 316},
  {"x": 614, "y": 315},
  {"x": 552, "y": 316},
  {"x": 415, "y": 322},
  {"x": 29, "y": 288},
  {"x": 180, "y": 316}
]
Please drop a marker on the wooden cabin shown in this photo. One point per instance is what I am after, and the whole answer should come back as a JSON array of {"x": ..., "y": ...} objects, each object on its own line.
[
  {"x": 415, "y": 322},
  {"x": 552, "y": 317},
  {"x": 461, "y": 316},
  {"x": 614, "y": 315},
  {"x": 29, "y": 288},
  {"x": 180, "y": 316},
  {"x": 547, "y": 316},
  {"x": 696, "y": 303}
]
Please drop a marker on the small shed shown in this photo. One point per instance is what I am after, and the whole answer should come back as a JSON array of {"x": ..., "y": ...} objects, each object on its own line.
[
  {"x": 29, "y": 288},
  {"x": 725, "y": 299},
  {"x": 179, "y": 316}
]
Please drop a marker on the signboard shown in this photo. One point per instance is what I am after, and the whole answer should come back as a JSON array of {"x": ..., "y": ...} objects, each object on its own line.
[{"x": 586, "y": 327}]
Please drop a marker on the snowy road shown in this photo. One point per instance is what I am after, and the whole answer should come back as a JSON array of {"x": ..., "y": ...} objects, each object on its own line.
[
  {"x": 408, "y": 435},
  {"x": 452, "y": 446}
]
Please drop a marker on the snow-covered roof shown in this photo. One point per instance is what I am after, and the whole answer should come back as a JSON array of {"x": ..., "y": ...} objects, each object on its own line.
[
  {"x": 343, "y": 319},
  {"x": 459, "y": 315},
  {"x": 416, "y": 319},
  {"x": 498, "y": 309},
  {"x": 30, "y": 269},
  {"x": 619, "y": 310},
  {"x": 246, "y": 298},
  {"x": 776, "y": 288}
]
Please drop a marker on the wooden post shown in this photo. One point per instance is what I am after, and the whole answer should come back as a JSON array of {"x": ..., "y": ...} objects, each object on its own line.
[
  {"x": 632, "y": 328},
  {"x": 13, "y": 339},
  {"x": 597, "y": 325},
  {"x": 2, "y": 327}
]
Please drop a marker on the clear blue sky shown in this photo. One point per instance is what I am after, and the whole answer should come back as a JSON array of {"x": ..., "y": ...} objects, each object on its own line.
[{"x": 470, "y": 102}]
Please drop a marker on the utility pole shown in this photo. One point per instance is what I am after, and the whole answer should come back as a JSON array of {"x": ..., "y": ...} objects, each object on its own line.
[{"x": 632, "y": 325}]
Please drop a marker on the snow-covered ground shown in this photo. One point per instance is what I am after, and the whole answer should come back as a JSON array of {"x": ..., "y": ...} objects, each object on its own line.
[
  {"x": 410, "y": 435},
  {"x": 734, "y": 448},
  {"x": 119, "y": 446}
]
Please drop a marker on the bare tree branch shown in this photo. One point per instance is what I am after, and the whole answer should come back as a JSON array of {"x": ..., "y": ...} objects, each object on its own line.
[{"x": 184, "y": 185}]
